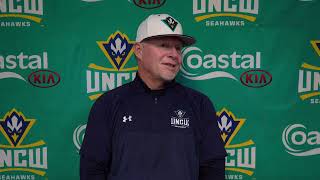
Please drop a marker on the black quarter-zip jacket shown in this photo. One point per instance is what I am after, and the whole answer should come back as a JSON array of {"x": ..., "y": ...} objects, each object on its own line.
[{"x": 134, "y": 133}]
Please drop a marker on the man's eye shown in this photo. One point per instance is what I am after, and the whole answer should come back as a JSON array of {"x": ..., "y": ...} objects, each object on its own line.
[{"x": 164, "y": 45}]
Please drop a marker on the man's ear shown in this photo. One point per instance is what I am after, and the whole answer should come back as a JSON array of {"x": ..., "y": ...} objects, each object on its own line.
[{"x": 137, "y": 47}]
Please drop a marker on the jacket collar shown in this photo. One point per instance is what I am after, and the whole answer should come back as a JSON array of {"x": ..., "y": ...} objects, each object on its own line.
[{"x": 139, "y": 84}]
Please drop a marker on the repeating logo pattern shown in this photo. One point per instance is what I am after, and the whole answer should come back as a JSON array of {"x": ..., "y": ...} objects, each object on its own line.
[
  {"x": 78, "y": 135},
  {"x": 16, "y": 156},
  {"x": 241, "y": 157},
  {"x": 300, "y": 142},
  {"x": 16, "y": 66},
  {"x": 148, "y": 4},
  {"x": 225, "y": 12},
  {"x": 118, "y": 49},
  {"x": 20, "y": 13},
  {"x": 309, "y": 78},
  {"x": 198, "y": 66}
]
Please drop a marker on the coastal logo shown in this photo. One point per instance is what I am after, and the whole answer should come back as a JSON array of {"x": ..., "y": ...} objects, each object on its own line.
[
  {"x": 225, "y": 12},
  {"x": 241, "y": 157},
  {"x": 19, "y": 66},
  {"x": 19, "y": 158},
  {"x": 118, "y": 49},
  {"x": 309, "y": 79},
  {"x": 20, "y": 13},
  {"x": 179, "y": 120},
  {"x": 198, "y": 66},
  {"x": 78, "y": 135},
  {"x": 299, "y": 141},
  {"x": 148, "y": 4}
]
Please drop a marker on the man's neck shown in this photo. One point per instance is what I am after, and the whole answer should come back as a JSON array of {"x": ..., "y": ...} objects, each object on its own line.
[{"x": 153, "y": 84}]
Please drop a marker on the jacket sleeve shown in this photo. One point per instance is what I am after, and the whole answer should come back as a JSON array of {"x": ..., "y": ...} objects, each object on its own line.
[
  {"x": 212, "y": 152},
  {"x": 95, "y": 153}
]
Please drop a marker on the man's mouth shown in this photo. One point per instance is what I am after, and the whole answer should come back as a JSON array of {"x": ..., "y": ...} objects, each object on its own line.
[{"x": 169, "y": 65}]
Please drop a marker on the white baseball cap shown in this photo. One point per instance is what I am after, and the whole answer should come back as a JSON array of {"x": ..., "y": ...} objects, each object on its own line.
[{"x": 157, "y": 25}]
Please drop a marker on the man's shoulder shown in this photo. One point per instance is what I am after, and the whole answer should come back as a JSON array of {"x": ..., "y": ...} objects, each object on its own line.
[{"x": 116, "y": 93}]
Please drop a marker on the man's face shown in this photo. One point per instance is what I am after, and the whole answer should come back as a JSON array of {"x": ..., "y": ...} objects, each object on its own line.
[{"x": 159, "y": 58}]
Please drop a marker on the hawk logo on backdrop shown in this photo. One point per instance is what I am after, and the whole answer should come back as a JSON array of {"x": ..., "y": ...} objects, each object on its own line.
[
  {"x": 179, "y": 120},
  {"x": 216, "y": 13},
  {"x": 148, "y": 4},
  {"x": 18, "y": 67},
  {"x": 309, "y": 78},
  {"x": 78, "y": 135},
  {"x": 24, "y": 160},
  {"x": 197, "y": 66},
  {"x": 20, "y": 13},
  {"x": 118, "y": 49},
  {"x": 299, "y": 141},
  {"x": 241, "y": 157}
]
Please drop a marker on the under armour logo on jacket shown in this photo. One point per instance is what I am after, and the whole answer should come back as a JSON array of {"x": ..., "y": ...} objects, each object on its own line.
[{"x": 125, "y": 119}]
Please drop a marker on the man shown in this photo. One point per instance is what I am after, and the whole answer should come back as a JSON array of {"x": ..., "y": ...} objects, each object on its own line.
[{"x": 154, "y": 128}]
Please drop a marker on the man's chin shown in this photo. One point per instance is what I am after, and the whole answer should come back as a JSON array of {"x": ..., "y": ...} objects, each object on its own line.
[{"x": 168, "y": 77}]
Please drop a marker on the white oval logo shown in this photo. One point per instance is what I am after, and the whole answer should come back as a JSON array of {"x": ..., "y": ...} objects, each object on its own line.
[
  {"x": 78, "y": 136},
  {"x": 299, "y": 142}
]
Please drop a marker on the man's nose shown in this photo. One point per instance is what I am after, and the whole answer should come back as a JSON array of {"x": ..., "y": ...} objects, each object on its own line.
[{"x": 175, "y": 54}]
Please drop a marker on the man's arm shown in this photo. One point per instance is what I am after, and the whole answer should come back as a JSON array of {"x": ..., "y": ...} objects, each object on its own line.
[
  {"x": 91, "y": 169},
  {"x": 95, "y": 154},
  {"x": 212, "y": 170},
  {"x": 212, "y": 152}
]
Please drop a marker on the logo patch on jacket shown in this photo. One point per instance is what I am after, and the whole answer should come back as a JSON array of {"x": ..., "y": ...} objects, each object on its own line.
[{"x": 180, "y": 121}]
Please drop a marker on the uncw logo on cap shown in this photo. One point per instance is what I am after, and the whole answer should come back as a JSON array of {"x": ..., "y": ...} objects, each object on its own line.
[{"x": 170, "y": 22}]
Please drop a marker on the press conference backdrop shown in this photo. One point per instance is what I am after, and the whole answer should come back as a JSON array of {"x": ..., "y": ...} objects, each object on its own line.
[{"x": 258, "y": 61}]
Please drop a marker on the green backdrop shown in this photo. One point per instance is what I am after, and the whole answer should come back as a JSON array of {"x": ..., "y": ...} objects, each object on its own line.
[{"x": 258, "y": 61}]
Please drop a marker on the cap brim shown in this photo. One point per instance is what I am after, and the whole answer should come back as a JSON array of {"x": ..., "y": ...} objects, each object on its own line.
[{"x": 185, "y": 39}]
